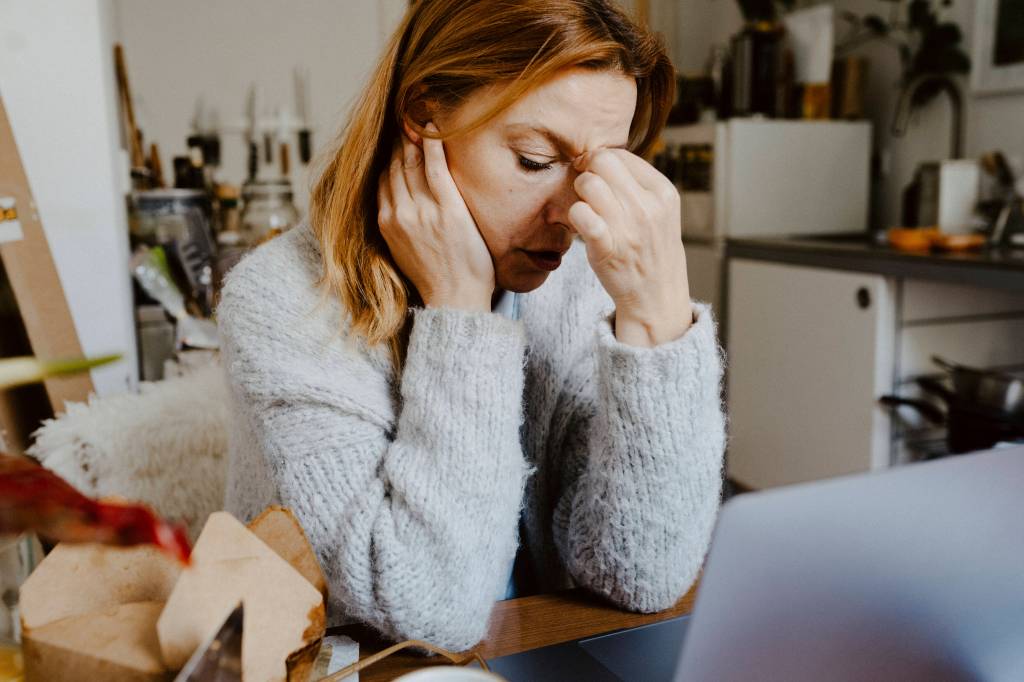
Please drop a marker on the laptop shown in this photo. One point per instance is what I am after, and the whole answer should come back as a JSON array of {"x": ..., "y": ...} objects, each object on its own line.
[{"x": 913, "y": 573}]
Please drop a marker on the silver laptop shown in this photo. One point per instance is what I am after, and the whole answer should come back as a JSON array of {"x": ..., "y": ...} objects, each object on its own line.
[{"x": 915, "y": 573}]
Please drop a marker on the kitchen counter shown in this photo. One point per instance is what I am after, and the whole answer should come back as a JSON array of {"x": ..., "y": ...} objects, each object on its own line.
[{"x": 996, "y": 269}]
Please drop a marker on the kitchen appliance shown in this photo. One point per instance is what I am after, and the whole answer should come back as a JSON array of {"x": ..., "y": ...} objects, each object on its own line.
[
  {"x": 758, "y": 177},
  {"x": 943, "y": 195}
]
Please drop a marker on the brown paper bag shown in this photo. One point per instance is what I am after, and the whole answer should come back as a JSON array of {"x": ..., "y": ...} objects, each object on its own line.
[
  {"x": 89, "y": 612},
  {"x": 282, "y": 532},
  {"x": 284, "y": 613}
]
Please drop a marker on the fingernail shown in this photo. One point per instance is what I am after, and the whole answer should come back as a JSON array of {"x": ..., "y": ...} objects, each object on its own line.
[{"x": 431, "y": 127}]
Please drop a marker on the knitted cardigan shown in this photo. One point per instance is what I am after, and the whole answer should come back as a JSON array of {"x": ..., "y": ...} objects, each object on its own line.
[{"x": 602, "y": 459}]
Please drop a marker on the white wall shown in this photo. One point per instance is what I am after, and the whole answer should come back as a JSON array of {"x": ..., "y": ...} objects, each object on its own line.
[
  {"x": 692, "y": 27},
  {"x": 57, "y": 82},
  {"x": 179, "y": 51}
]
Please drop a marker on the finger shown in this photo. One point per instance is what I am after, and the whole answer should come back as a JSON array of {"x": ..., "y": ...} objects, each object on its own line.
[
  {"x": 412, "y": 166},
  {"x": 591, "y": 227},
  {"x": 594, "y": 190},
  {"x": 646, "y": 175},
  {"x": 400, "y": 197},
  {"x": 612, "y": 170},
  {"x": 439, "y": 177}
]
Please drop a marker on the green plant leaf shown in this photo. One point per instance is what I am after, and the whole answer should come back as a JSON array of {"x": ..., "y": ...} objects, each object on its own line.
[{"x": 29, "y": 370}]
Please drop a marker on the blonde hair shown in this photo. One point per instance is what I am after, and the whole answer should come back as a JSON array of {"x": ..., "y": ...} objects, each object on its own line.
[{"x": 442, "y": 51}]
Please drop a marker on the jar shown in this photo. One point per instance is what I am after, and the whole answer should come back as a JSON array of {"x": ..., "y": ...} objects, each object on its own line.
[
  {"x": 159, "y": 216},
  {"x": 268, "y": 210},
  {"x": 19, "y": 555}
]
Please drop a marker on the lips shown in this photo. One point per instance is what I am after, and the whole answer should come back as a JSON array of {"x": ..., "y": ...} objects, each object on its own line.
[{"x": 545, "y": 260}]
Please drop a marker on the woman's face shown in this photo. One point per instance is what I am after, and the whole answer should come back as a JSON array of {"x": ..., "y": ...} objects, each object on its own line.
[{"x": 515, "y": 172}]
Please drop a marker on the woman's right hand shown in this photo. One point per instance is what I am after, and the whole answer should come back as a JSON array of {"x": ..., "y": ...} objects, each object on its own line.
[{"x": 430, "y": 231}]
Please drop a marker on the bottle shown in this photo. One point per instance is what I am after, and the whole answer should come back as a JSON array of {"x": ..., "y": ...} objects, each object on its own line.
[
  {"x": 187, "y": 175},
  {"x": 230, "y": 244},
  {"x": 756, "y": 59}
]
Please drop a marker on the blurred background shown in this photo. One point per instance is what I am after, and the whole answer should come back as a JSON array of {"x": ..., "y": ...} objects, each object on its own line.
[{"x": 850, "y": 175}]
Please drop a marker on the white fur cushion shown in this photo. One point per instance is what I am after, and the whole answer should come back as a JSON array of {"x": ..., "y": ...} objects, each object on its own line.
[{"x": 165, "y": 446}]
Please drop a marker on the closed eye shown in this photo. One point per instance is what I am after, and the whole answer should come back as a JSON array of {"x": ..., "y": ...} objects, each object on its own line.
[{"x": 533, "y": 166}]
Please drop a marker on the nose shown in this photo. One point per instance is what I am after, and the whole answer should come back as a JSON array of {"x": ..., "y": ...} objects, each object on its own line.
[{"x": 556, "y": 210}]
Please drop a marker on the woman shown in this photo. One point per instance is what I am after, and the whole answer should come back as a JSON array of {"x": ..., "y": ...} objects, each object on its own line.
[{"x": 404, "y": 383}]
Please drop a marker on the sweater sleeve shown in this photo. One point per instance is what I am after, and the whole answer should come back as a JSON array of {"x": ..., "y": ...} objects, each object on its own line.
[
  {"x": 642, "y": 467},
  {"x": 415, "y": 525}
]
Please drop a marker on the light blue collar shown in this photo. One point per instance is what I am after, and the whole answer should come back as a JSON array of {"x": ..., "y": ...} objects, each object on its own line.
[{"x": 507, "y": 305}]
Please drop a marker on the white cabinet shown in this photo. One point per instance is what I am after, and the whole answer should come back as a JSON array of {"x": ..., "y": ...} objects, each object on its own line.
[{"x": 810, "y": 350}]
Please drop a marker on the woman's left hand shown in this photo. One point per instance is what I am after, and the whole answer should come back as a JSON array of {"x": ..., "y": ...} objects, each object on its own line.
[{"x": 629, "y": 218}]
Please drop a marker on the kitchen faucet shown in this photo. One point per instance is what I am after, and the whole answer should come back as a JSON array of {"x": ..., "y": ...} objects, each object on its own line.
[{"x": 903, "y": 108}]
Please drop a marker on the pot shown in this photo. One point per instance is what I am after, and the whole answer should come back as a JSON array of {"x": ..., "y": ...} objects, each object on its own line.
[
  {"x": 988, "y": 389},
  {"x": 971, "y": 425},
  {"x": 975, "y": 414}
]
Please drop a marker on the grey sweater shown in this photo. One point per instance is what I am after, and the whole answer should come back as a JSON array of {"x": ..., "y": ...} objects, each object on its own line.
[{"x": 412, "y": 488}]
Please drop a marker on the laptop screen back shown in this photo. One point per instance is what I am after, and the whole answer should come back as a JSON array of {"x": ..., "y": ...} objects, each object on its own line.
[{"x": 915, "y": 573}]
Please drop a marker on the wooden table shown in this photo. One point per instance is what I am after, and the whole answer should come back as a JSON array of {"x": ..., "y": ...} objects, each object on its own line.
[{"x": 519, "y": 625}]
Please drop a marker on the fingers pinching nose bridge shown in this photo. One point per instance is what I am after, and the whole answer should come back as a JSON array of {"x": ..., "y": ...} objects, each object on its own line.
[{"x": 580, "y": 161}]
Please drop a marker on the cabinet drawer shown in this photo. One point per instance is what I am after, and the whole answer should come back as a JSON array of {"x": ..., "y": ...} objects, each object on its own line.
[{"x": 923, "y": 300}]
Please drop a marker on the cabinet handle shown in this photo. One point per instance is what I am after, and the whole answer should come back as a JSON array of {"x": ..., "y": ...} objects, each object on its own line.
[{"x": 863, "y": 298}]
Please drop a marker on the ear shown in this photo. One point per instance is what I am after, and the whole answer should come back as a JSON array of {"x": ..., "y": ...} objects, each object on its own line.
[
  {"x": 410, "y": 133},
  {"x": 422, "y": 109}
]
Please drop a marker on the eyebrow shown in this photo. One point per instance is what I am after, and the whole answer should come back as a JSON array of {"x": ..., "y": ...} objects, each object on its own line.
[{"x": 564, "y": 145}]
